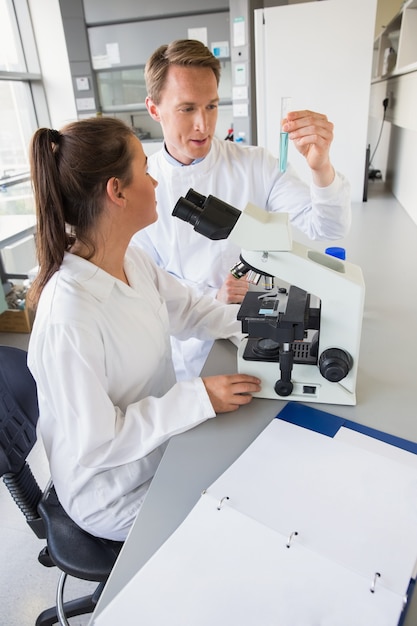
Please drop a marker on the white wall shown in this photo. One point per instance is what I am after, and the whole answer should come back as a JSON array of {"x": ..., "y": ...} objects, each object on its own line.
[
  {"x": 396, "y": 154},
  {"x": 53, "y": 57}
]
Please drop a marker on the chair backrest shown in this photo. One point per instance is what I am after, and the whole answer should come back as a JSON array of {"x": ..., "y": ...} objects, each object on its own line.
[
  {"x": 69, "y": 547},
  {"x": 18, "y": 418},
  {"x": 18, "y": 409}
]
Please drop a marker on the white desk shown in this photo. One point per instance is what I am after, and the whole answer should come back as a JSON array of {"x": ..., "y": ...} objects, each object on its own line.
[{"x": 383, "y": 241}]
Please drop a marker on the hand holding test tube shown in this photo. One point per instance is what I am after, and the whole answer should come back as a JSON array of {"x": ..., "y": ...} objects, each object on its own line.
[{"x": 283, "y": 138}]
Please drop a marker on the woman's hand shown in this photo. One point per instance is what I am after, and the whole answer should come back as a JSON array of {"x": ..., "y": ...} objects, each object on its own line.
[{"x": 229, "y": 392}]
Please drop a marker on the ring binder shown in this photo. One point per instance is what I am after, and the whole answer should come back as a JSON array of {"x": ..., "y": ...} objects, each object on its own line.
[
  {"x": 290, "y": 538},
  {"x": 355, "y": 572},
  {"x": 377, "y": 575},
  {"x": 222, "y": 501}
]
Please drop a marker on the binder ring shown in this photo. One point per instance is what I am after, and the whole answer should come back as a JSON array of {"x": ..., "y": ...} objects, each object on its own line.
[
  {"x": 290, "y": 538},
  {"x": 377, "y": 575},
  {"x": 221, "y": 502}
]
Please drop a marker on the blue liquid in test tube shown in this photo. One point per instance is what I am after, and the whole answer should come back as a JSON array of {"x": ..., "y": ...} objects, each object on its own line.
[
  {"x": 283, "y": 139},
  {"x": 283, "y": 151}
]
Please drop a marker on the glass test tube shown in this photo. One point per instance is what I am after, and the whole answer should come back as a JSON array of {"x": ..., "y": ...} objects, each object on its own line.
[{"x": 283, "y": 138}]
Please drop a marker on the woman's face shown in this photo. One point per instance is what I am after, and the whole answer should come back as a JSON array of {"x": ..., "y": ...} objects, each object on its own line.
[{"x": 140, "y": 193}]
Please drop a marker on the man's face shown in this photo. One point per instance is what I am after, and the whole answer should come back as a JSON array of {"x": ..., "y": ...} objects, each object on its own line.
[{"x": 187, "y": 112}]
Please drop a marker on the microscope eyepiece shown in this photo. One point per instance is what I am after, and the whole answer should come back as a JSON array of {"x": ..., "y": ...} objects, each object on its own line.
[
  {"x": 187, "y": 211},
  {"x": 210, "y": 216},
  {"x": 195, "y": 197}
]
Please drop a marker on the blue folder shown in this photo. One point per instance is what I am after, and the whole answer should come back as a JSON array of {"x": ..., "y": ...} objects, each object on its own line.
[{"x": 327, "y": 424}]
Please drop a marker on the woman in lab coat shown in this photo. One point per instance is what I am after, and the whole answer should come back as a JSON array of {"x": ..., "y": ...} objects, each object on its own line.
[{"x": 100, "y": 346}]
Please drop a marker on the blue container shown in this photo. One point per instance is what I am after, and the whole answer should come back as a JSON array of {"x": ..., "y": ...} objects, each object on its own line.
[{"x": 339, "y": 253}]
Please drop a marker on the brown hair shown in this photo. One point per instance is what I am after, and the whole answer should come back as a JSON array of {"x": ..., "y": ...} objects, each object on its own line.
[
  {"x": 69, "y": 171},
  {"x": 183, "y": 52}
]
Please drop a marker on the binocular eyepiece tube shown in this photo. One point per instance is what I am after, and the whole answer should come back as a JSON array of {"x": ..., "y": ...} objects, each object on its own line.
[
  {"x": 209, "y": 216},
  {"x": 215, "y": 219}
]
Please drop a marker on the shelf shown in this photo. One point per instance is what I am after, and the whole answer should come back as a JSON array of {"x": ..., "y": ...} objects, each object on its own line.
[
  {"x": 395, "y": 50},
  {"x": 407, "y": 52}
]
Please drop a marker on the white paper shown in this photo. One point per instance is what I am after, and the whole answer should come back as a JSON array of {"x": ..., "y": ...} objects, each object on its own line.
[
  {"x": 355, "y": 515},
  {"x": 240, "y": 74},
  {"x": 353, "y": 437},
  {"x": 240, "y": 109},
  {"x": 101, "y": 61},
  {"x": 220, "y": 49},
  {"x": 223, "y": 568},
  {"x": 239, "y": 35},
  {"x": 200, "y": 34},
  {"x": 83, "y": 83},
  {"x": 85, "y": 104},
  {"x": 356, "y": 507},
  {"x": 240, "y": 93},
  {"x": 113, "y": 53}
]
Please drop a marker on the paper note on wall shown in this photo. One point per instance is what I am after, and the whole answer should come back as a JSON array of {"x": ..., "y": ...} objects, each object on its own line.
[
  {"x": 240, "y": 74},
  {"x": 220, "y": 49},
  {"x": 239, "y": 35},
  {"x": 198, "y": 33},
  {"x": 113, "y": 53}
]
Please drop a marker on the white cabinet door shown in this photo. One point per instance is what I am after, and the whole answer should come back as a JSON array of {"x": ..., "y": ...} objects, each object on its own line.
[{"x": 320, "y": 54}]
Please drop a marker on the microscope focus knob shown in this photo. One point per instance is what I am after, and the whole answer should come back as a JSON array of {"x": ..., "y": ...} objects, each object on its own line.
[
  {"x": 335, "y": 364},
  {"x": 283, "y": 388}
]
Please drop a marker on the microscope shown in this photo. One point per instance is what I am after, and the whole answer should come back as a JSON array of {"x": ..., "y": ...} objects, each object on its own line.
[{"x": 303, "y": 330}]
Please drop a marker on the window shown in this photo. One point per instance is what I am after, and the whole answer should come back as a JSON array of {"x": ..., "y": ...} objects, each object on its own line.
[
  {"x": 17, "y": 123},
  {"x": 21, "y": 96},
  {"x": 121, "y": 88},
  {"x": 18, "y": 118}
]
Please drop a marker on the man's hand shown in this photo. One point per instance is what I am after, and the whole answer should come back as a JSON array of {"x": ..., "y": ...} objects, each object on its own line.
[
  {"x": 312, "y": 134},
  {"x": 229, "y": 392},
  {"x": 233, "y": 290}
]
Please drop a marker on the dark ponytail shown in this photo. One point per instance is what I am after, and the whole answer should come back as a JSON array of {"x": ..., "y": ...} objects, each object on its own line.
[{"x": 70, "y": 170}]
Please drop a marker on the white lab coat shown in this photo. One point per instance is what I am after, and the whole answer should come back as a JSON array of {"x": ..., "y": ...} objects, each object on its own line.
[
  {"x": 100, "y": 354},
  {"x": 237, "y": 175}
]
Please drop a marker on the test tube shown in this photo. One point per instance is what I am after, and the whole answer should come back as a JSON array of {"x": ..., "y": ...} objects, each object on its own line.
[{"x": 283, "y": 138}]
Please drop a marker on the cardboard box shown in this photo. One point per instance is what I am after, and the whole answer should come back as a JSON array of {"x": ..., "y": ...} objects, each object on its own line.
[{"x": 16, "y": 321}]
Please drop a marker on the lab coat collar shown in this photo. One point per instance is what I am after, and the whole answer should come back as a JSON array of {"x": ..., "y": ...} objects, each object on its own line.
[
  {"x": 98, "y": 282},
  {"x": 173, "y": 161}
]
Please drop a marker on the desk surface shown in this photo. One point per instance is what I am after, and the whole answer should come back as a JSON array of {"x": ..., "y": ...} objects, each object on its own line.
[{"x": 383, "y": 241}]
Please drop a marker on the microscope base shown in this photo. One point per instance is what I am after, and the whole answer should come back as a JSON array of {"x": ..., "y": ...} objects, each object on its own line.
[{"x": 308, "y": 384}]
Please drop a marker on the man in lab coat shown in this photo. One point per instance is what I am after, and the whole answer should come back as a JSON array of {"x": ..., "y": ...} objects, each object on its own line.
[{"x": 182, "y": 84}]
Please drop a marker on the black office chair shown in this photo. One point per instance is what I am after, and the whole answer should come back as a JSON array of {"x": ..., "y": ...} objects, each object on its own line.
[{"x": 73, "y": 551}]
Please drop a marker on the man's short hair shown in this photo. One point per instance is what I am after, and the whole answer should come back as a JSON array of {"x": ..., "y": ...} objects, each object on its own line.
[{"x": 182, "y": 52}]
